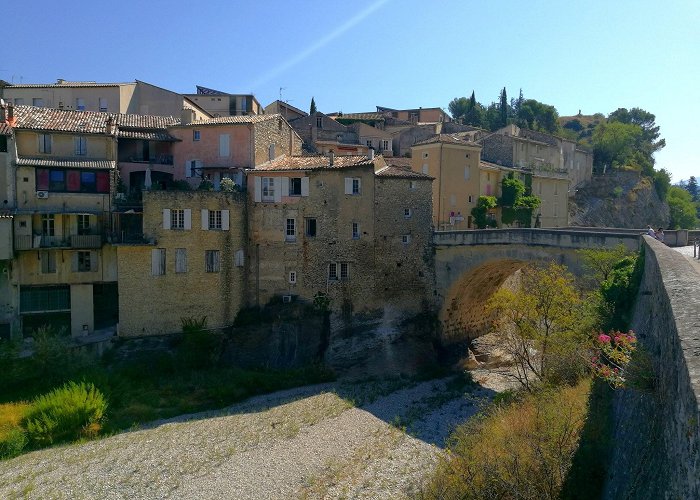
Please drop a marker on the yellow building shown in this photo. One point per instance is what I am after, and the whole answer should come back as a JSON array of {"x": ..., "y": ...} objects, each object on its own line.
[{"x": 454, "y": 163}]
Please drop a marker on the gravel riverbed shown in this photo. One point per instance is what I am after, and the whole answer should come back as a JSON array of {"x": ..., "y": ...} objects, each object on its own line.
[{"x": 372, "y": 439}]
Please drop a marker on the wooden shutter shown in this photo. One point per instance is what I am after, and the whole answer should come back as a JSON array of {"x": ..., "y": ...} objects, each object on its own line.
[
  {"x": 188, "y": 170},
  {"x": 224, "y": 220},
  {"x": 305, "y": 186},
  {"x": 205, "y": 220},
  {"x": 258, "y": 189},
  {"x": 166, "y": 218},
  {"x": 278, "y": 190},
  {"x": 284, "y": 187},
  {"x": 239, "y": 258},
  {"x": 74, "y": 262},
  {"x": 348, "y": 185},
  {"x": 224, "y": 145},
  {"x": 188, "y": 218},
  {"x": 93, "y": 261}
]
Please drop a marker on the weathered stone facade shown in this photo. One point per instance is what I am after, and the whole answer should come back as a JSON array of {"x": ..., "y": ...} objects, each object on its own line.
[{"x": 154, "y": 304}]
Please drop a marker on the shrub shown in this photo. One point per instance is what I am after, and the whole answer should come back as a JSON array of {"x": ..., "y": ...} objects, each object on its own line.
[
  {"x": 66, "y": 413},
  {"x": 199, "y": 347},
  {"x": 519, "y": 450},
  {"x": 13, "y": 438},
  {"x": 12, "y": 443},
  {"x": 619, "y": 291},
  {"x": 228, "y": 185}
]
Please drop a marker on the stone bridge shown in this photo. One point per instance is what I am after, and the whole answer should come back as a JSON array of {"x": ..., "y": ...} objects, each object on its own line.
[{"x": 471, "y": 265}]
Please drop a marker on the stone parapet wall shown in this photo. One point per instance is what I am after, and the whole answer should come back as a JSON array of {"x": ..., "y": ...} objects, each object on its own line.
[{"x": 657, "y": 433}]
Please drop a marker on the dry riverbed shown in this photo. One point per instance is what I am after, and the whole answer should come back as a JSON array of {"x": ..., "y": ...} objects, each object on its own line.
[{"x": 371, "y": 439}]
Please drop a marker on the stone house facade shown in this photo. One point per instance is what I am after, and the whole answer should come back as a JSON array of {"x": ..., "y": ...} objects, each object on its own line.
[{"x": 194, "y": 263}]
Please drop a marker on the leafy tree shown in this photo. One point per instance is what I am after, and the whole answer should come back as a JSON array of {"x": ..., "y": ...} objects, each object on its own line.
[
  {"x": 613, "y": 143},
  {"x": 516, "y": 103},
  {"x": 662, "y": 181},
  {"x": 683, "y": 211},
  {"x": 574, "y": 125},
  {"x": 312, "y": 108},
  {"x": 481, "y": 210},
  {"x": 511, "y": 190},
  {"x": 474, "y": 113},
  {"x": 599, "y": 262},
  {"x": 458, "y": 108},
  {"x": 538, "y": 116},
  {"x": 692, "y": 188},
  {"x": 516, "y": 206},
  {"x": 646, "y": 121},
  {"x": 543, "y": 325}
]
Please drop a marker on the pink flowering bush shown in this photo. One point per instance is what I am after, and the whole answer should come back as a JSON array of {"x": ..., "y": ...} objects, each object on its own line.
[{"x": 612, "y": 354}]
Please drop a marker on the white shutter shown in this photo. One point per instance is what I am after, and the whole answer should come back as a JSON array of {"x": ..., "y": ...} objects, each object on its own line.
[
  {"x": 224, "y": 145},
  {"x": 188, "y": 168},
  {"x": 188, "y": 218},
  {"x": 205, "y": 220},
  {"x": 278, "y": 191},
  {"x": 348, "y": 185},
  {"x": 305, "y": 186},
  {"x": 284, "y": 186},
  {"x": 224, "y": 220},
  {"x": 239, "y": 258},
  {"x": 258, "y": 189},
  {"x": 166, "y": 218},
  {"x": 93, "y": 261}
]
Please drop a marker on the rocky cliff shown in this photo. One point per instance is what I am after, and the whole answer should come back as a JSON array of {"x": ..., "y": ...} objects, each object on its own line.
[{"x": 618, "y": 199}]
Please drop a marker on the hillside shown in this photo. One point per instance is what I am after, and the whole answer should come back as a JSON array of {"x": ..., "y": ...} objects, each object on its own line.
[{"x": 622, "y": 199}]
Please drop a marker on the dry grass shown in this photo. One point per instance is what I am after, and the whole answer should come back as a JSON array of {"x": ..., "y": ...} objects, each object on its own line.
[{"x": 11, "y": 414}]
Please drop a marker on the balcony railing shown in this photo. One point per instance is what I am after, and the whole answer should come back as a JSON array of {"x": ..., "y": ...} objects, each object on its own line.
[
  {"x": 86, "y": 241},
  {"x": 158, "y": 160}
]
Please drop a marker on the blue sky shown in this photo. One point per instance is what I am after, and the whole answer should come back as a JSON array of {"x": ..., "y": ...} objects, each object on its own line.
[{"x": 594, "y": 56}]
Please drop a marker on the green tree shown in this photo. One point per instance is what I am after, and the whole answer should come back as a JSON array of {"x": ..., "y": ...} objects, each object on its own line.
[
  {"x": 600, "y": 262},
  {"x": 614, "y": 143},
  {"x": 650, "y": 138},
  {"x": 503, "y": 108},
  {"x": 543, "y": 325},
  {"x": 662, "y": 181},
  {"x": 683, "y": 211},
  {"x": 481, "y": 210},
  {"x": 692, "y": 188},
  {"x": 458, "y": 108},
  {"x": 312, "y": 108},
  {"x": 474, "y": 115},
  {"x": 538, "y": 116}
]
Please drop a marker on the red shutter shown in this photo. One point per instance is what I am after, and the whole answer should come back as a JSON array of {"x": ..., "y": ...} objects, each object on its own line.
[
  {"x": 42, "y": 179},
  {"x": 73, "y": 180},
  {"x": 103, "y": 182}
]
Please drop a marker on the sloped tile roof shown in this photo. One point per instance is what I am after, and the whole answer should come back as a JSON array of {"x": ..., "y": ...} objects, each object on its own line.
[
  {"x": 143, "y": 121},
  {"x": 398, "y": 161},
  {"x": 401, "y": 173},
  {"x": 359, "y": 116},
  {"x": 447, "y": 139},
  {"x": 146, "y": 135},
  {"x": 29, "y": 161},
  {"x": 233, "y": 120},
  {"x": 5, "y": 129},
  {"x": 313, "y": 162},
  {"x": 66, "y": 84}
]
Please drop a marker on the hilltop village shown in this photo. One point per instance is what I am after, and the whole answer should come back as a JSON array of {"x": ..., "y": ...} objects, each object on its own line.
[{"x": 125, "y": 206}]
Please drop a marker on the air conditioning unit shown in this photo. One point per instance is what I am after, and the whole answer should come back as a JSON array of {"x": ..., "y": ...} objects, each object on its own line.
[
  {"x": 42, "y": 194},
  {"x": 286, "y": 299}
]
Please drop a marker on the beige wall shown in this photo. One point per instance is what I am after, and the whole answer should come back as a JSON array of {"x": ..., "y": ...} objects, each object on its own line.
[
  {"x": 553, "y": 191},
  {"x": 82, "y": 320},
  {"x": 63, "y": 145},
  {"x": 28, "y": 271},
  {"x": 456, "y": 172},
  {"x": 118, "y": 97},
  {"x": 216, "y": 295}
]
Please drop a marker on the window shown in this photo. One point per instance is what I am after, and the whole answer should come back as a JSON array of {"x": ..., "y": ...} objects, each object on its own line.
[
  {"x": 48, "y": 225},
  {"x": 268, "y": 189},
  {"x": 74, "y": 181},
  {"x": 319, "y": 121},
  {"x": 48, "y": 262},
  {"x": 88, "y": 182},
  {"x": 310, "y": 223},
  {"x": 180, "y": 260},
  {"x": 556, "y": 189},
  {"x": 425, "y": 168},
  {"x": 80, "y": 145},
  {"x": 44, "y": 298},
  {"x": 84, "y": 262},
  {"x": 60, "y": 105},
  {"x": 425, "y": 155},
  {"x": 224, "y": 141},
  {"x": 353, "y": 185},
  {"x": 177, "y": 219},
  {"x": 385, "y": 145},
  {"x": 338, "y": 270},
  {"x": 80, "y": 104},
  {"x": 292, "y": 277},
  {"x": 295, "y": 186},
  {"x": 196, "y": 135},
  {"x": 406, "y": 239},
  {"x": 407, "y": 213},
  {"x": 83, "y": 224},
  {"x": 355, "y": 230},
  {"x": 38, "y": 102},
  {"x": 19, "y": 101},
  {"x": 192, "y": 167},
  {"x": 369, "y": 143},
  {"x": 412, "y": 184},
  {"x": 103, "y": 104},
  {"x": 44, "y": 143},
  {"x": 290, "y": 232},
  {"x": 467, "y": 173},
  {"x": 470, "y": 199},
  {"x": 212, "y": 264},
  {"x": 215, "y": 219},
  {"x": 158, "y": 261},
  {"x": 239, "y": 258}
]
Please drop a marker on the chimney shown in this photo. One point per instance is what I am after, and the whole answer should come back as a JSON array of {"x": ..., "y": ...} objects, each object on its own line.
[
  {"x": 330, "y": 158},
  {"x": 370, "y": 154},
  {"x": 187, "y": 116},
  {"x": 10, "y": 113},
  {"x": 60, "y": 81},
  {"x": 109, "y": 126}
]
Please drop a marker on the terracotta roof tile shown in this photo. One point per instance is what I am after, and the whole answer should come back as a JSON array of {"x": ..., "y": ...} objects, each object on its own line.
[
  {"x": 5, "y": 129},
  {"x": 313, "y": 163},
  {"x": 67, "y": 84},
  {"x": 401, "y": 173},
  {"x": 28, "y": 161},
  {"x": 359, "y": 116},
  {"x": 143, "y": 121},
  {"x": 233, "y": 120},
  {"x": 447, "y": 139},
  {"x": 146, "y": 135},
  {"x": 86, "y": 122},
  {"x": 398, "y": 161}
]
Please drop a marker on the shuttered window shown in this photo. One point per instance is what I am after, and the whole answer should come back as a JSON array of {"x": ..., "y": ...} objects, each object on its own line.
[
  {"x": 158, "y": 261},
  {"x": 180, "y": 260},
  {"x": 212, "y": 261}
]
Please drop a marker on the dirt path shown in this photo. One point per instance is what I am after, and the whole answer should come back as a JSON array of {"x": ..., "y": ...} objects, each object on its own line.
[{"x": 347, "y": 440}]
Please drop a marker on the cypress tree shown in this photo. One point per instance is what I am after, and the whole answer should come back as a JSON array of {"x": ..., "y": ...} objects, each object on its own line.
[{"x": 312, "y": 108}]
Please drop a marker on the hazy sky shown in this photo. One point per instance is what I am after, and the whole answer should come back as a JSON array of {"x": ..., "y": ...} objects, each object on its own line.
[{"x": 592, "y": 56}]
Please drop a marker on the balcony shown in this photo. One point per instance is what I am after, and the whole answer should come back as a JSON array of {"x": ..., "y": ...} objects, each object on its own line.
[
  {"x": 86, "y": 241},
  {"x": 158, "y": 160},
  {"x": 30, "y": 242}
]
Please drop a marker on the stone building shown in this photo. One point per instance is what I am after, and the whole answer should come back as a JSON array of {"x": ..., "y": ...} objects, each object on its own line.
[
  {"x": 192, "y": 263},
  {"x": 220, "y": 104},
  {"x": 322, "y": 134},
  {"x": 333, "y": 225},
  {"x": 285, "y": 109}
]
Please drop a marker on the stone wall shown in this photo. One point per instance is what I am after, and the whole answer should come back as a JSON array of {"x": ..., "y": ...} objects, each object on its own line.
[
  {"x": 498, "y": 149},
  {"x": 657, "y": 433}
]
